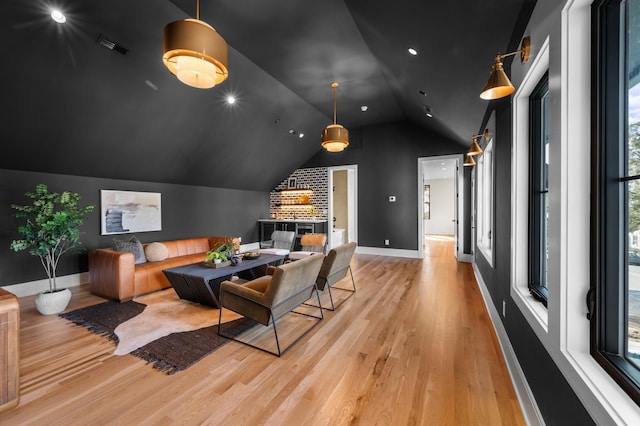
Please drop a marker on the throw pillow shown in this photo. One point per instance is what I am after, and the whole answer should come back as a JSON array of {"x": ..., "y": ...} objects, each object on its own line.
[
  {"x": 132, "y": 246},
  {"x": 156, "y": 252}
]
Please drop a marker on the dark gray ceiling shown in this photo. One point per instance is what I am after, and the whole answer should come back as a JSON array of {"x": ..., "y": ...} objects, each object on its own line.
[{"x": 70, "y": 105}]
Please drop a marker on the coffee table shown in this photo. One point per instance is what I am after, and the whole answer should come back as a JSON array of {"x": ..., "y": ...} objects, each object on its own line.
[{"x": 201, "y": 284}]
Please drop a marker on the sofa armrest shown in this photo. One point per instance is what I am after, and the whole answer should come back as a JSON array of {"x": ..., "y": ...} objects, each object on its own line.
[{"x": 111, "y": 274}]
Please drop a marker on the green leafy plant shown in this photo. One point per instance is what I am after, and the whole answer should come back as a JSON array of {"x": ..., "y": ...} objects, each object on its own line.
[
  {"x": 223, "y": 251},
  {"x": 52, "y": 227},
  {"x": 213, "y": 255}
]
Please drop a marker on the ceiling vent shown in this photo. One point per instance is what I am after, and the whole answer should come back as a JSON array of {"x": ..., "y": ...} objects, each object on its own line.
[{"x": 111, "y": 45}]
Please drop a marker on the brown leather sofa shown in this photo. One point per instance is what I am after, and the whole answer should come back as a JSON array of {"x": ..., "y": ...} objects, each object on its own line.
[{"x": 114, "y": 274}]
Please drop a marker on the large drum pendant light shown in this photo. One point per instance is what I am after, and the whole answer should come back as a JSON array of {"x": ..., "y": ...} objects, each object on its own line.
[
  {"x": 195, "y": 53},
  {"x": 335, "y": 138}
]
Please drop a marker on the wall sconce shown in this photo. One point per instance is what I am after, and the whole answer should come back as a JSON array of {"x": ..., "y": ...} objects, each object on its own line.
[
  {"x": 475, "y": 149},
  {"x": 195, "y": 53},
  {"x": 469, "y": 162},
  {"x": 499, "y": 84}
]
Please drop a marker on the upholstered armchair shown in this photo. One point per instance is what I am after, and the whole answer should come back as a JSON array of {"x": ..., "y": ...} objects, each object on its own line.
[
  {"x": 311, "y": 244},
  {"x": 335, "y": 266},
  {"x": 269, "y": 298},
  {"x": 281, "y": 243}
]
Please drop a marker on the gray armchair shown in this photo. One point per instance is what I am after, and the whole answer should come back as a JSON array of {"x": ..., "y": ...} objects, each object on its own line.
[
  {"x": 281, "y": 243},
  {"x": 269, "y": 298},
  {"x": 334, "y": 268}
]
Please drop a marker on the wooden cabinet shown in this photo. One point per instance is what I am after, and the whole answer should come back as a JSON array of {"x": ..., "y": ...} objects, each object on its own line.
[{"x": 9, "y": 350}]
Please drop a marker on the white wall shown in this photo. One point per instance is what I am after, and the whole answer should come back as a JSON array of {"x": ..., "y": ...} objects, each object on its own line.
[{"x": 442, "y": 207}]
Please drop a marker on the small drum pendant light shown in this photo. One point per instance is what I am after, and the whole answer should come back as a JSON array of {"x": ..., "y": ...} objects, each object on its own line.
[{"x": 335, "y": 138}]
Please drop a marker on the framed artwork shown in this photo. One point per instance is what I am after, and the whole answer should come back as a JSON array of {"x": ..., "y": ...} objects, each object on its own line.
[
  {"x": 291, "y": 184},
  {"x": 125, "y": 212}
]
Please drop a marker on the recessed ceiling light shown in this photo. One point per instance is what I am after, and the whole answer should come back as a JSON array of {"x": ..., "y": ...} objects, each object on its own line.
[
  {"x": 364, "y": 108},
  {"x": 231, "y": 100},
  {"x": 301, "y": 135},
  {"x": 291, "y": 131},
  {"x": 412, "y": 51},
  {"x": 58, "y": 16}
]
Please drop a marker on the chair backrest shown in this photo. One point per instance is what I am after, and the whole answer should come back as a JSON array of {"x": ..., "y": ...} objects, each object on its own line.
[
  {"x": 283, "y": 239},
  {"x": 313, "y": 242},
  {"x": 335, "y": 265},
  {"x": 289, "y": 280}
]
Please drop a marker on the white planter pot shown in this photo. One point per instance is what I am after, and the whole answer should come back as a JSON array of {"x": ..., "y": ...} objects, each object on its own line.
[{"x": 53, "y": 303}]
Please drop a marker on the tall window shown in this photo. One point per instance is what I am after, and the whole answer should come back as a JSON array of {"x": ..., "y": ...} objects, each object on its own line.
[
  {"x": 615, "y": 295},
  {"x": 539, "y": 190},
  {"x": 485, "y": 202}
]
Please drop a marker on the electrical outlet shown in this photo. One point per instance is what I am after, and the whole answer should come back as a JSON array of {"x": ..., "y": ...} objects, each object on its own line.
[
  {"x": 386, "y": 242},
  {"x": 504, "y": 309}
]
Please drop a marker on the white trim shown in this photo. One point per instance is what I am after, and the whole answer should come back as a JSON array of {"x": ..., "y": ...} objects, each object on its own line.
[
  {"x": 378, "y": 251},
  {"x": 535, "y": 313},
  {"x": 34, "y": 287},
  {"x": 528, "y": 404},
  {"x": 485, "y": 210}
]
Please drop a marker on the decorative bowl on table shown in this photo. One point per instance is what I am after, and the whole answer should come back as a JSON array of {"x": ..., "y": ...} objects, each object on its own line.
[{"x": 251, "y": 255}]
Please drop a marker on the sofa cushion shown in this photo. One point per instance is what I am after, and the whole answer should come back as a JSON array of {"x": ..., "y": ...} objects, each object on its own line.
[
  {"x": 134, "y": 246},
  {"x": 156, "y": 252}
]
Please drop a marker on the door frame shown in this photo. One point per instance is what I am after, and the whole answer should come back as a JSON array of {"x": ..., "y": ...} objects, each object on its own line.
[
  {"x": 352, "y": 202},
  {"x": 458, "y": 208}
]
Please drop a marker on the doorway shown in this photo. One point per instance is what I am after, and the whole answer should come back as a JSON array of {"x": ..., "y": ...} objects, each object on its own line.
[
  {"x": 342, "y": 215},
  {"x": 440, "y": 182}
]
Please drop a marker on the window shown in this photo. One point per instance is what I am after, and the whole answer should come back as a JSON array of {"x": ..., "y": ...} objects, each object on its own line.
[
  {"x": 615, "y": 289},
  {"x": 539, "y": 190},
  {"x": 485, "y": 202}
]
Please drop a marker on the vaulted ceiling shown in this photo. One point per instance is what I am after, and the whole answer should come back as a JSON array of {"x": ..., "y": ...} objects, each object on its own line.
[{"x": 71, "y": 105}]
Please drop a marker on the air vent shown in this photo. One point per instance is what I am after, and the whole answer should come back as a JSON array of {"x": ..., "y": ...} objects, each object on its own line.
[{"x": 111, "y": 45}]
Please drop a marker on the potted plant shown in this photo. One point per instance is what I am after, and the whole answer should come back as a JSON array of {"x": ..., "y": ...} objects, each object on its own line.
[
  {"x": 216, "y": 256},
  {"x": 51, "y": 228},
  {"x": 223, "y": 252}
]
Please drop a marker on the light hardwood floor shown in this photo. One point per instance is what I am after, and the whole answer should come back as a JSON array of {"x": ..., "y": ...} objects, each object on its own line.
[{"x": 413, "y": 346}]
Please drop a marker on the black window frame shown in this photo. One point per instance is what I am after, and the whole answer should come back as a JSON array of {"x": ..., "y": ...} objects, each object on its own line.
[
  {"x": 538, "y": 191},
  {"x": 607, "y": 297}
]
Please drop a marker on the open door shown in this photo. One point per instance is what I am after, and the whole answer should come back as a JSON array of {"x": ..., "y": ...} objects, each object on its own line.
[
  {"x": 440, "y": 200},
  {"x": 343, "y": 185}
]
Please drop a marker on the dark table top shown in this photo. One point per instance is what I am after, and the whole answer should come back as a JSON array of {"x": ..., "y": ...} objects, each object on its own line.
[{"x": 208, "y": 273}]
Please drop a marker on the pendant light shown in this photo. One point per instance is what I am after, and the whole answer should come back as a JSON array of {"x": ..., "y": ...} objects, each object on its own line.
[
  {"x": 195, "y": 53},
  {"x": 499, "y": 84},
  {"x": 335, "y": 138}
]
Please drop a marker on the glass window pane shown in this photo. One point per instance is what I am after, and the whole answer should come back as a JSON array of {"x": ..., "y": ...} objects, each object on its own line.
[
  {"x": 633, "y": 187},
  {"x": 633, "y": 272}
]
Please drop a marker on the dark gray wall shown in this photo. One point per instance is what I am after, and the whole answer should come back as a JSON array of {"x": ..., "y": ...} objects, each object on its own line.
[
  {"x": 187, "y": 211},
  {"x": 387, "y": 158}
]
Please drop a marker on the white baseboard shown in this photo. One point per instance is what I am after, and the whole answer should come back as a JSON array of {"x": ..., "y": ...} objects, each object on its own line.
[
  {"x": 388, "y": 252},
  {"x": 530, "y": 409},
  {"x": 35, "y": 287}
]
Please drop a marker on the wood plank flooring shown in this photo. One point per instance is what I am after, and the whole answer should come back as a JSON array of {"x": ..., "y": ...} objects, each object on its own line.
[{"x": 413, "y": 346}]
